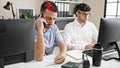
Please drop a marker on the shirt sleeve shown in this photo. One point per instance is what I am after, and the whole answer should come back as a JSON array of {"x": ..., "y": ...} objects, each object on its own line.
[
  {"x": 35, "y": 33},
  {"x": 58, "y": 37},
  {"x": 95, "y": 33}
]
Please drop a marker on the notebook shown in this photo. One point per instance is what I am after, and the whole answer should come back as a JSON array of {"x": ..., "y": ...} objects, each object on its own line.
[{"x": 75, "y": 54}]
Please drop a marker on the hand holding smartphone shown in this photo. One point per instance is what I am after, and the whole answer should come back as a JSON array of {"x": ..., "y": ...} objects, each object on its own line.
[{"x": 44, "y": 24}]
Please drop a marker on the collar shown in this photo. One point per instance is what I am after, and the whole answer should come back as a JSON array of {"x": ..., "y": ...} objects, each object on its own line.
[{"x": 76, "y": 22}]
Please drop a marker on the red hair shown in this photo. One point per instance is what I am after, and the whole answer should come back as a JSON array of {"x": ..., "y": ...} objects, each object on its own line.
[{"x": 49, "y": 6}]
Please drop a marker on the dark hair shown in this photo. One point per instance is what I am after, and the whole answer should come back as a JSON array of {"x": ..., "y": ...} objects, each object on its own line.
[
  {"x": 49, "y": 5},
  {"x": 82, "y": 7}
]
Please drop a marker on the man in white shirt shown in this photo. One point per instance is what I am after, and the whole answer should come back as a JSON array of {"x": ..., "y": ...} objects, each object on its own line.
[{"x": 80, "y": 33}]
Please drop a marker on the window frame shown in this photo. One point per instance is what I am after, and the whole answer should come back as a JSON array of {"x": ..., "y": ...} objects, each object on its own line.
[{"x": 117, "y": 7}]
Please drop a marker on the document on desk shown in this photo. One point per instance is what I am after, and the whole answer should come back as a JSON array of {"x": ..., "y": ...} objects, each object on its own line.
[{"x": 75, "y": 54}]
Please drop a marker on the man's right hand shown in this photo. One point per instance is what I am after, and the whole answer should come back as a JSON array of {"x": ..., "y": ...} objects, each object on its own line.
[
  {"x": 60, "y": 58},
  {"x": 39, "y": 23},
  {"x": 89, "y": 46}
]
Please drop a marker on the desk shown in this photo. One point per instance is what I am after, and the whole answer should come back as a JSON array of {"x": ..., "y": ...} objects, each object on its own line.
[{"x": 48, "y": 62}]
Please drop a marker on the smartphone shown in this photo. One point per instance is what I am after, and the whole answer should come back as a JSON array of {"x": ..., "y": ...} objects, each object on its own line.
[
  {"x": 44, "y": 24},
  {"x": 71, "y": 65}
]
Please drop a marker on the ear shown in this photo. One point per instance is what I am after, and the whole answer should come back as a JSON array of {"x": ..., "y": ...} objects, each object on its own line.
[{"x": 76, "y": 13}]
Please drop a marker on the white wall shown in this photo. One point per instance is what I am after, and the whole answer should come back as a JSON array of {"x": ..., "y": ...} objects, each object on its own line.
[
  {"x": 96, "y": 5},
  {"x": 34, "y": 4},
  {"x": 97, "y": 10}
]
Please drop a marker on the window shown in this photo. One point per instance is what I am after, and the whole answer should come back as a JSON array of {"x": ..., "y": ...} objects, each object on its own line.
[
  {"x": 112, "y": 9},
  {"x": 25, "y": 13}
]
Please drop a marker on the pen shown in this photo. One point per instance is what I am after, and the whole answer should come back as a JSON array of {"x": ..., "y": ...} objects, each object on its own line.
[{"x": 74, "y": 57}]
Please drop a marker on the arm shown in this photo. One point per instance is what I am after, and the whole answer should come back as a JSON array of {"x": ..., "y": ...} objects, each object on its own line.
[
  {"x": 95, "y": 34},
  {"x": 61, "y": 57},
  {"x": 94, "y": 37},
  {"x": 39, "y": 48},
  {"x": 62, "y": 47}
]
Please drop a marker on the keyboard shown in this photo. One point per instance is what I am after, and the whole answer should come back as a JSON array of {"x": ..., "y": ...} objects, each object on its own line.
[
  {"x": 106, "y": 55},
  {"x": 109, "y": 51},
  {"x": 111, "y": 55}
]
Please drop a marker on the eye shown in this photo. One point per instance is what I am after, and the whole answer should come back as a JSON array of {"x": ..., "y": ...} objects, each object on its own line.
[
  {"x": 48, "y": 18},
  {"x": 54, "y": 18}
]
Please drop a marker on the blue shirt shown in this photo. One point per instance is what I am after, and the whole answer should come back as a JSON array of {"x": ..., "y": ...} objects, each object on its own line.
[{"x": 51, "y": 37}]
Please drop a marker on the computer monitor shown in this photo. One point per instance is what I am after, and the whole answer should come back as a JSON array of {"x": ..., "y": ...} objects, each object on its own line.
[
  {"x": 16, "y": 41},
  {"x": 109, "y": 33}
]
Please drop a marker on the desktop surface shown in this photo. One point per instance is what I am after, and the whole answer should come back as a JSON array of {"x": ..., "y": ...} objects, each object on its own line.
[{"x": 48, "y": 62}]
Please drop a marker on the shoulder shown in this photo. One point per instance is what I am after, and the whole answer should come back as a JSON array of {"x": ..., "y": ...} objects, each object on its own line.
[
  {"x": 54, "y": 27},
  {"x": 90, "y": 23},
  {"x": 70, "y": 24},
  {"x": 73, "y": 23}
]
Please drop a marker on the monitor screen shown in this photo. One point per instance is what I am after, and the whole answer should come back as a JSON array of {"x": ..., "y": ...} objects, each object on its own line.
[
  {"x": 109, "y": 32},
  {"x": 16, "y": 40}
]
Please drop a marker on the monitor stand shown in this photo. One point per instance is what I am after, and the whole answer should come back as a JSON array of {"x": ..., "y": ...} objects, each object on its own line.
[
  {"x": 112, "y": 54},
  {"x": 22, "y": 57}
]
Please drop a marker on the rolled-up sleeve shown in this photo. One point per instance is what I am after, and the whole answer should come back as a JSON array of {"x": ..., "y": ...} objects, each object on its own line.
[
  {"x": 35, "y": 33},
  {"x": 58, "y": 37}
]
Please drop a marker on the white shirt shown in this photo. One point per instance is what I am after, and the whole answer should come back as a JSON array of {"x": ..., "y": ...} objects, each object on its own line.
[{"x": 77, "y": 36}]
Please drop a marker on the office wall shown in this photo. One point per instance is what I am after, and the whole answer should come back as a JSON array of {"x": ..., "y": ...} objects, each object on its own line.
[
  {"x": 96, "y": 5},
  {"x": 97, "y": 10},
  {"x": 34, "y": 4}
]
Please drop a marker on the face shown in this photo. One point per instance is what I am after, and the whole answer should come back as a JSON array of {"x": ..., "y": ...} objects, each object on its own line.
[
  {"x": 49, "y": 17},
  {"x": 82, "y": 16}
]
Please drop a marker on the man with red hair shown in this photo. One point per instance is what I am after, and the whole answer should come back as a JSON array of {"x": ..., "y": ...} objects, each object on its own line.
[{"x": 48, "y": 33}]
